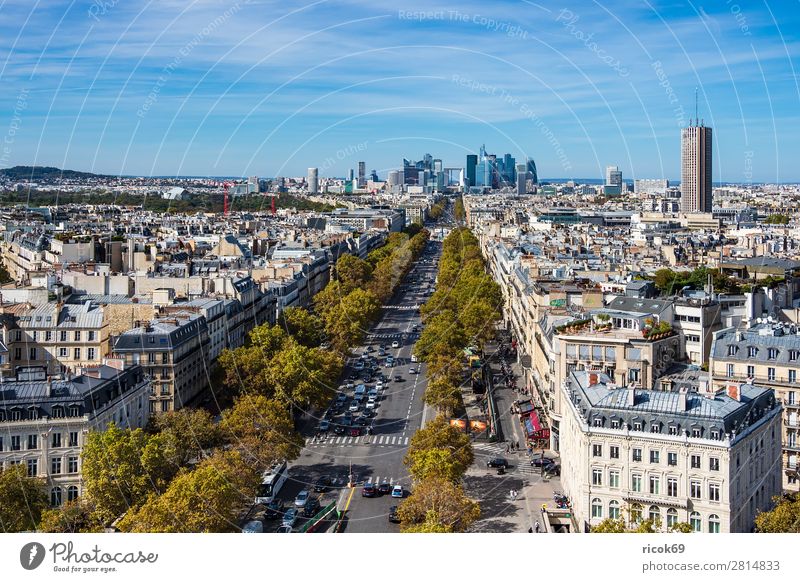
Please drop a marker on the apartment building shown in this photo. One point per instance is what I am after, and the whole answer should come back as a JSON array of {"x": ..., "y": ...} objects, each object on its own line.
[
  {"x": 709, "y": 459},
  {"x": 766, "y": 354},
  {"x": 44, "y": 422},
  {"x": 174, "y": 351}
]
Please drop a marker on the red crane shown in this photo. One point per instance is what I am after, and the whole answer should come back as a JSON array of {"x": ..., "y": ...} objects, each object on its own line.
[{"x": 225, "y": 198}]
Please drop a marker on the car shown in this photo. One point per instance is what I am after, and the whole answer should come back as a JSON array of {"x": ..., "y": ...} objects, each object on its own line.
[
  {"x": 497, "y": 462},
  {"x": 284, "y": 529},
  {"x": 373, "y": 393},
  {"x": 274, "y": 508},
  {"x": 361, "y": 421},
  {"x": 311, "y": 508},
  {"x": 369, "y": 490},
  {"x": 354, "y": 406},
  {"x": 379, "y": 385},
  {"x": 539, "y": 461},
  {"x": 365, "y": 355},
  {"x": 412, "y": 370},
  {"x": 290, "y": 517},
  {"x": 330, "y": 413},
  {"x": 370, "y": 349},
  {"x": 398, "y": 378},
  {"x": 302, "y": 498},
  {"x": 359, "y": 398},
  {"x": 369, "y": 413},
  {"x": 397, "y": 491},
  {"x": 354, "y": 431},
  {"x": 255, "y": 526},
  {"x": 371, "y": 404},
  {"x": 395, "y": 344},
  {"x": 339, "y": 429},
  {"x": 413, "y": 357},
  {"x": 385, "y": 488},
  {"x": 341, "y": 397},
  {"x": 324, "y": 426},
  {"x": 381, "y": 352},
  {"x": 393, "y": 517},
  {"x": 358, "y": 366},
  {"x": 321, "y": 485},
  {"x": 353, "y": 377}
]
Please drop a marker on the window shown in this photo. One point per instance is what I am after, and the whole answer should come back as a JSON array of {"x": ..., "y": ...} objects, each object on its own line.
[
  {"x": 654, "y": 514},
  {"x": 713, "y": 491},
  {"x": 772, "y": 353},
  {"x": 77, "y": 353},
  {"x": 55, "y": 465},
  {"x": 715, "y": 434},
  {"x": 636, "y": 482},
  {"x": 792, "y": 378},
  {"x": 697, "y": 433},
  {"x": 597, "y": 450},
  {"x": 32, "y": 354},
  {"x": 613, "y": 509},
  {"x": 165, "y": 358},
  {"x": 73, "y": 439},
  {"x": 751, "y": 371},
  {"x": 33, "y": 467},
  {"x": 654, "y": 484},
  {"x": 771, "y": 374},
  {"x": 72, "y": 464},
  {"x": 63, "y": 336},
  {"x": 731, "y": 372},
  {"x": 1, "y": 450},
  {"x": 633, "y": 375},
  {"x": 655, "y": 427},
  {"x": 613, "y": 479},
  {"x": 598, "y": 422},
  {"x": 63, "y": 352},
  {"x": 695, "y": 489},
  {"x": 713, "y": 464},
  {"x": 672, "y": 486},
  {"x": 732, "y": 350},
  {"x": 17, "y": 353},
  {"x": 613, "y": 452},
  {"x": 48, "y": 336},
  {"x": 165, "y": 406},
  {"x": 77, "y": 336},
  {"x": 672, "y": 459},
  {"x": 637, "y": 455},
  {"x": 637, "y": 426},
  {"x": 672, "y": 517},
  {"x": 33, "y": 442},
  {"x": 793, "y": 355},
  {"x": 673, "y": 430},
  {"x": 614, "y": 424},
  {"x": 752, "y": 351},
  {"x": 695, "y": 522},
  {"x": 72, "y": 493},
  {"x": 597, "y": 476},
  {"x": 713, "y": 523},
  {"x": 597, "y": 508},
  {"x": 91, "y": 336},
  {"x": 792, "y": 396},
  {"x": 55, "y": 496},
  {"x": 655, "y": 456},
  {"x": 636, "y": 513},
  {"x": 15, "y": 443},
  {"x": 90, "y": 353}
]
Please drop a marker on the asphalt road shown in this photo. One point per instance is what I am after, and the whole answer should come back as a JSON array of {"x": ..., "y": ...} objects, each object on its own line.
[{"x": 400, "y": 413}]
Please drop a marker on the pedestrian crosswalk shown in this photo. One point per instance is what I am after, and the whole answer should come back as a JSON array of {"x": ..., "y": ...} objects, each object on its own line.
[
  {"x": 385, "y": 335},
  {"x": 401, "y": 307},
  {"x": 489, "y": 448},
  {"x": 367, "y": 440}
]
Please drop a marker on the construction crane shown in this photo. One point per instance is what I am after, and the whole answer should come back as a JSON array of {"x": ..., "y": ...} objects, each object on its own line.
[{"x": 226, "y": 185}]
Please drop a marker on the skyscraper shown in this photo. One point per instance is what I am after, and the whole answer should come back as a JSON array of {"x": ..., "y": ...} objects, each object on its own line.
[
  {"x": 362, "y": 174},
  {"x": 313, "y": 180},
  {"x": 522, "y": 180},
  {"x": 613, "y": 185},
  {"x": 533, "y": 176},
  {"x": 696, "y": 193},
  {"x": 472, "y": 161}
]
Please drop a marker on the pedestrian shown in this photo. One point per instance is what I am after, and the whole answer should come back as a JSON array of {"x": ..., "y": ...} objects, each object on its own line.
[
  {"x": 511, "y": 495},
  {"x": 508, "y": 448},
  {"x": 536, "y": 527}
]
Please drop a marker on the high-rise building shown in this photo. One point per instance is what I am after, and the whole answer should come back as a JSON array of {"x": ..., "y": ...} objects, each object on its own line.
[
  {"x": 533, "y": 176},
  {"x": 650, "y": 186},
  {"x": 472, "y": 161},
  {"x": 395, "y": 178},
  {"x": 351, "y": 174},
  {"x": 613, "y": 185},
  {"x": 313, "y": 180},
  {"x": 696, "y": 193},
  {"x": 522, "y": 180},
  {"x": 362, "y": 174}
]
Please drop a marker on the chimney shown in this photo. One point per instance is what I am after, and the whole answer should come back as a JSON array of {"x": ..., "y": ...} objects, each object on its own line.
[
  {"x": 630, "y": 396},
  {"x": 682, "y": 400},
  {"x": 592, "y": 379},
  {"x": 734, "y": 391}
]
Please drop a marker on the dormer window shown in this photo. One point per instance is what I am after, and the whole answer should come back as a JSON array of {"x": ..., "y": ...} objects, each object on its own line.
[
  {"x": 793, "y": 355},
  {"x": 752, "y": 351},
  {"x": 598, "y": 422},
  {"x": 732, "y": 350},
  {"x": 772, "y": 353},
  {"x": 57, "y": 412}
]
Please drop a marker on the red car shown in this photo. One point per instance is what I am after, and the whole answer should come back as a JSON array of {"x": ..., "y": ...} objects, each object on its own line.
[
  {"x": 354, "y": 431},
  {"x": 369, "y": 490}
]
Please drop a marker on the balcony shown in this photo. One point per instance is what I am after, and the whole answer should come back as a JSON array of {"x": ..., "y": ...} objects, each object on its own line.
[{"x": 646, "y": 499}]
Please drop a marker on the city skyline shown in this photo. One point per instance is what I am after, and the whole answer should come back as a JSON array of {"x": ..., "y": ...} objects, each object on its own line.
[{"x": 116, "y": 89}]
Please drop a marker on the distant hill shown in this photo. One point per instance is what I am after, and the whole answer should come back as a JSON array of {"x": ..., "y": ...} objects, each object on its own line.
[{"x": 44, "y": 173}]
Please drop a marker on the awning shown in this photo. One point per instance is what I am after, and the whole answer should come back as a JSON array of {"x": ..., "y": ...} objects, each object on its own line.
[{"x": 533, "y": 427}]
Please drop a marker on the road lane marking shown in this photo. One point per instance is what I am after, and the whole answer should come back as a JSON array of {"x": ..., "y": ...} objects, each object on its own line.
[
  {"x": 406, "y": 441},
  {"x": 393, "y": 439}
]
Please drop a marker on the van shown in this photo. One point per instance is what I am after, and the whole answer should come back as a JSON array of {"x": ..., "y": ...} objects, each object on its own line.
[{"x": 413, "y": 358}]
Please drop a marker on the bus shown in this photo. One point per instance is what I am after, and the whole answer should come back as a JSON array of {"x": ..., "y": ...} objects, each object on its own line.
[{"x": 271, "y": 482}]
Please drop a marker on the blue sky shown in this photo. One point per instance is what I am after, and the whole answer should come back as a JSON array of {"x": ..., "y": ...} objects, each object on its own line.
[{"x": 265, "y": 87}]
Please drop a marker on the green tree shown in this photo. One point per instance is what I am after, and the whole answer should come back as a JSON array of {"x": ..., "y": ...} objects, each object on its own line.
[
  {"x": 442, "y": 335},
  {"x": 440, "y": 434},
  {"x": 682, "y": 527},
  {"x": 76, "y": 516},
  {"x": 302, "y": 325},
  {"x": 437, "y": 505},
  {"x": 783, "y": 518},
  {"x": 352, "y": 273},
  {"x": 610, "y": 525},
  {"x": 304, "y": 377},
  {"x": 262, "y": 430},
  {"x": 244, "y": 369},
  {"x": 443, "y": 396},
  {"x": 207, "y": 499},
  {"x": 5, "y": 276},
  {"x": 121, "y": 467},
  {"x": 777, "y": 219},
  {"x": 434, "y": 463},
  {"x": 22, "y": 500},
  {"x": 458, "y": 210},
  {"x": 188, "y": 433},
  {"x": 347, "y": 323}
]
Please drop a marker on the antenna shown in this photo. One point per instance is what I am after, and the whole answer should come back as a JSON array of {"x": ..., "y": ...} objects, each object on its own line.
[{"x": 695, "y": 106}]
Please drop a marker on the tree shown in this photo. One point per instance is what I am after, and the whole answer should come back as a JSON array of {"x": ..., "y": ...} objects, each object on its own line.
[
  {"x": 304, "y": 377},
  {"x": 22, "y": 500},
  {"x": 437, "y": 505},
  {"x": 442, "y": 335},
  {"x": 445, "y": 367},
  {"x": 207, "y": 499},
  {"x": 347, "y": 322},
  {"x": 682, "y": 527},
  {"x": 302, "y": 325},
  {"x": 244, "y": 369},
  {"x": 262, "y": 430},
  {"x": 352, "y": 273},
  {"x": 439, "y": 434},
  {"x": 777, "y": 219},
  {"x": 434, "y": 463},
  {"x": 783, "y": 518},
  {"x": 76, "y": 516},
  {"x": 188, "y": 432},
  {"x": 610, "y": 525},
  {"x": 5, "y": 276},
  {"x": 121, "y": 467},
  {"x": 443, "y": 396}
]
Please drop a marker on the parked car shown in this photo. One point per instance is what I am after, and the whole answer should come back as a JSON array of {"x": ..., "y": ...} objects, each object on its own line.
[
  {"x": 274, "y": 508},
  {"x": 354, "y": 431},
  {"x": 397, "y": 491},
  {"x": 373, "y": 392},
  {"x": 369, "y": 490},
  {"x": 341, "y": 397},
  {"x": 321, "y": 485},
  {"x": 284, "y": 529},
  {"x": 398, "y": 378},
  {"x": 497, "y": 462},
  {"x": 371, "y": 404},
  {"x": 290, "y": 517},
  {"x": 385, "y": 488},
  {"x": 412, "y": 370},
  {"x": 255, "y": 526},
  {"x": 302, "y": 498},
  {"x": 324, "y": 426},
  {"x": 311, "y": 508},
  {"x": 354, "y": 406},
  {"x": 361, "y": 421},
  {"x": 395, "y": 344}
]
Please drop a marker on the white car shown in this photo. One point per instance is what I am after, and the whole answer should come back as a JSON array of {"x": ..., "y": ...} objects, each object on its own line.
[
  {"x": 379, "y": 385},
  {"x": 395, "y": 344},
  {"x": 371, "y": 404},
  {"x": 412, "y": 370}
]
